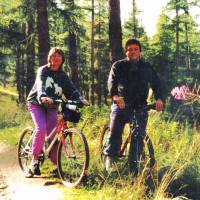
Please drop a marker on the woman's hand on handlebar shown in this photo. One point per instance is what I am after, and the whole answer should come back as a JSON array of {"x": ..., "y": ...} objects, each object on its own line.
[{"x": 47, "y": 100}]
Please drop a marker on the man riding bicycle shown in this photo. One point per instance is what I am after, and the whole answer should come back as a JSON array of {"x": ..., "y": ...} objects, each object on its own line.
[{"x": 128, "y": 85}]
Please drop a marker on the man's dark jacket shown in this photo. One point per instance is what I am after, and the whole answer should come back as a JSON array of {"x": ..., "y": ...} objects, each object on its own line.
[{"x": 132, "y": 81}]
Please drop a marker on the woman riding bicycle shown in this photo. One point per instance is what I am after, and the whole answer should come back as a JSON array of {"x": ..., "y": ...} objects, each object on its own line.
[
  {"x": 128, "y": 85},
  {"x": 51, "y": 82}
]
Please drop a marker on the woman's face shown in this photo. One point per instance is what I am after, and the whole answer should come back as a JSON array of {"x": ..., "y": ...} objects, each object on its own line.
[{"x": 55, "y": 61}]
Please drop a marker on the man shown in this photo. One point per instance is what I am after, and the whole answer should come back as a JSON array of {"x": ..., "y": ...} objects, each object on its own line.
[{"x": 128, "y": 85}]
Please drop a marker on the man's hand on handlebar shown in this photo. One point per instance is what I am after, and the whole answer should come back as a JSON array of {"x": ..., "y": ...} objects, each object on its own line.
[
  {"x": 121, "y": 104},
  {"x": 159, "y": 105},
  {"x": 85, "y": 102},
  {"x": 119, "y": 101}
]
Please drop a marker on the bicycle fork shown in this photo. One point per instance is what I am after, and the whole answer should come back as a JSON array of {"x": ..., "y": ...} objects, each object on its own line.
[
  {"x": 71, "y": 145},
  {"x": 136, "y": 155}
]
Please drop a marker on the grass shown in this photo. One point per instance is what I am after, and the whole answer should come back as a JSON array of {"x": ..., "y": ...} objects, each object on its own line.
[
  {"x": 13, "y": 118},
  {"x": 177, "y": 150},
  {"x": 11, "y": 91}
]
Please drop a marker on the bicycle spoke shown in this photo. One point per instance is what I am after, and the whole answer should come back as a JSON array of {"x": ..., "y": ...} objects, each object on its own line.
[
  {"x": 73, "y": 158},
  {"x": 25, "y": 149},
  {"x": 102, "y": 144}
]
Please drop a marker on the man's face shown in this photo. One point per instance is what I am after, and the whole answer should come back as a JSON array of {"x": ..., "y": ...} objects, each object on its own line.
[{"x": 133, "y": 52}]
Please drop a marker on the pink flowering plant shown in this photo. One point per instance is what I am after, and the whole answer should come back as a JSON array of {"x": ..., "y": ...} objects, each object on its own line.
[
  {"x": 187, "y": 104},
  {"x": 183, "y": 93},
  {"x": 179, "y": 93}
]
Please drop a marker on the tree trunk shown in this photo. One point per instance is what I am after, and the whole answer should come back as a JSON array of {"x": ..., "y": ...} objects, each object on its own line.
[
  {"x": 99, "y": 63},
  {"x": 177, "y": 36},
  {"x": 73, "y": 59},
  {"x": 30, "y": 52},
  {"x": 134, "y": 19},
  {"x": 115, "y": 31},
  {"x": 188, "y": 53},
  {"x": 20, "y": 75},
  {"x": 92, "y": 59},
  {"x": 105, "y": 91},
  {"x": 43, "y": 31}
]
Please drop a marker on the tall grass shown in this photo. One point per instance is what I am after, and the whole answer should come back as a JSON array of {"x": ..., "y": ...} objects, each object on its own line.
[
  {"x": 177, "y": 153},
  {"x": 13, "y": 118}
]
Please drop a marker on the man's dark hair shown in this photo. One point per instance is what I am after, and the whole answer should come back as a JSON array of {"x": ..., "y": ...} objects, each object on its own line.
[{"x": 132, "y": 41}]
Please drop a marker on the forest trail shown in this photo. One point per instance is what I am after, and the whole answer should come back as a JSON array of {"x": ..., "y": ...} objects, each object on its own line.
[{"x": 14, "y": 186}]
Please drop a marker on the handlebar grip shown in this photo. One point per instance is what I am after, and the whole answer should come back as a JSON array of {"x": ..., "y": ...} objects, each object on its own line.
[
  {"x": 151, "y": 106},
  {"x": 58, "y": 101}
]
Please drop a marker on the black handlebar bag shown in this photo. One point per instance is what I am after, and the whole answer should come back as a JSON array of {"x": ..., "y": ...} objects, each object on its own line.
[{"x": 70, "y": 115}]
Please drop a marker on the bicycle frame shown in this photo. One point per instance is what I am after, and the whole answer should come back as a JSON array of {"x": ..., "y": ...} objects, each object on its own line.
[
  {"x": 132, "y": 126},
  {"x": 127, "y": 141},
  {"x": 59, "y": 128}
]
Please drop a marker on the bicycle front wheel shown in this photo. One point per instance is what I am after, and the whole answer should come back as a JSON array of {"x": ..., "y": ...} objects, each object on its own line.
[
  {"x": 141, "y": 155},
  {"x": 24, "y": 151},
  {"x": 73, "y": 157}
]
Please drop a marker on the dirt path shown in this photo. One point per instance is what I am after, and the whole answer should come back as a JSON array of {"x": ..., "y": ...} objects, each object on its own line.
[{"x": 13, "y": 186}]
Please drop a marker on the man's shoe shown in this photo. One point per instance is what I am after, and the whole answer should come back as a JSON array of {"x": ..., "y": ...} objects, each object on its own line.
[
  {"x": 34, "y": 169},
  {"x": 110, "y": 164}
]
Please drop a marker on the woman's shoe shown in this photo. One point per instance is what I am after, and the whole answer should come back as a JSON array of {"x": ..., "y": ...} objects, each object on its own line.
[{"x": 34, "y": 169}]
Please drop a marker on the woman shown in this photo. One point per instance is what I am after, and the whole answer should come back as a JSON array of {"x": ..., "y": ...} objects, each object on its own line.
[{"x": 51, "y": 82}]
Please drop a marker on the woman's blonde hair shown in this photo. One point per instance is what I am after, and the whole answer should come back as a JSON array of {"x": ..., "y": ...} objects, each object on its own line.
[{"x": 56, "y": 50}]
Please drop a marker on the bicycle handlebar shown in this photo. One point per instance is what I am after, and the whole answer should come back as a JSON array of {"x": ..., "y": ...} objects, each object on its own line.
[
  {"x": 70, "y": 104},
  {"x": 147, "y": 107},
  {"x": 150, "y": 106}
]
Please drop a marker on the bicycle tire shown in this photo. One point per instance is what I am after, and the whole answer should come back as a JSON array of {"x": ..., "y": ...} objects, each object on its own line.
[
  {"x": 73, "y": 167},
  {"x": 24, "y": 150},
  {"x": 141, "y": 154},
  {"x": 102, "y": 141}
]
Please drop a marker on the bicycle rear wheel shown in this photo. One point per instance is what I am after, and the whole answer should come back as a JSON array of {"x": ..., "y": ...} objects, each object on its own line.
[
  {"x": 24, "y": 151},
  {"x": 141, "y": 154},
  {"x": 73, "y": 157},
  {"x": 102, "y": 141}
]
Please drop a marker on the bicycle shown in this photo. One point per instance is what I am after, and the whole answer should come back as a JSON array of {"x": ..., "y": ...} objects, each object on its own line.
[
  {"x": 73, "y": 150},
  {"x": 140, "y": 150}
]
